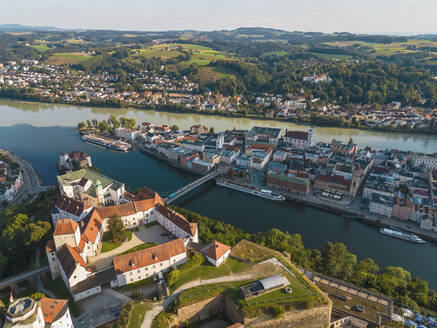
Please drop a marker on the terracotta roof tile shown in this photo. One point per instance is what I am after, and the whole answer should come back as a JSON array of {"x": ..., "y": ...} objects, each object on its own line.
[
  {"x": 148, "y": 256},
  {"x": 52, "y": 309},
  {"x": 90, "y": 227},
  {"x": 215, "y": 250},
  {"x": 116, "y": 210},
  {"x": 65, "y": 226}
]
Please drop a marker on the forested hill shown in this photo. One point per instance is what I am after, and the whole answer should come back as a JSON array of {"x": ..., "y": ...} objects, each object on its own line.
[{"x": 375, "y": 69}]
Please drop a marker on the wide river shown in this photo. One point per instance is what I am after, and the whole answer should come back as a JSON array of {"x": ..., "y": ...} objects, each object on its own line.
[{"x": 39, "y": 132}]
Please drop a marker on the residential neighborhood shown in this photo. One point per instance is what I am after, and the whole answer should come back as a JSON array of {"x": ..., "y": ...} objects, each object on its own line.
[{"x": 54, "y": 83}]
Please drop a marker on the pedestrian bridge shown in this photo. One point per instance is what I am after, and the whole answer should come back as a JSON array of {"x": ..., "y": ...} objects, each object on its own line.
[
  {"x": 11, "y": 281},
  {"x": 182, "y": 191}
]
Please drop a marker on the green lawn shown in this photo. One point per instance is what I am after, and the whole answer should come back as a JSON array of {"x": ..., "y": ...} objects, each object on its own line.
[
  {"x": 109, "y": 245},
  {"x": 196, "y": 294},
  {"x": 58, "y": 288},
  {"x": 208, "y": 271},
  {"x": 150, "y": 53},
  {"x": 137, "y": 315},
  {"x": 40, "y": 47},
  {"x": 139, "y": 247}
]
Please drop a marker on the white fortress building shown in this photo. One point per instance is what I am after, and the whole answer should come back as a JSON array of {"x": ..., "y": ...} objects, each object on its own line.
[{"x": 78, "y": 235}]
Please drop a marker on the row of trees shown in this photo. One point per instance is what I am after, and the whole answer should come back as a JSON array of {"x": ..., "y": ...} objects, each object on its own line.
[
  {"x": 333, "y": 260},
  {"x": 108, "y": 125}
]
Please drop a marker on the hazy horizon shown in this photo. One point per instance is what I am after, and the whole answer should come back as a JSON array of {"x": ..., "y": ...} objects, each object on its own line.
[{"x": 400, "y": 17}]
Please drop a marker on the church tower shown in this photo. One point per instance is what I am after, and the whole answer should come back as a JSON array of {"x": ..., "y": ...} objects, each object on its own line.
[
  {"x": 356, "y": 179},
  {"x": 99, "y": 192}
]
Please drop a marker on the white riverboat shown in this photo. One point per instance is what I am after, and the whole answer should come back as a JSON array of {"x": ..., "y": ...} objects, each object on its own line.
[
  {"x": 402, "y": 235},
  {"x": 263, "y": 193},
  {"x": 106, "y": 142}
]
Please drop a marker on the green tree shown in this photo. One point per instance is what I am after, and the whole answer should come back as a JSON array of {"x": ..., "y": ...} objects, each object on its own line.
[
  {"x": 338, "y": 262},
  {"x": 175, "y": 127},
  {"x": 103, "y": 126},
  {"x": 116, "y": 228},
  {"x": 81, "y": 125},
  {"x": 211, "y": 130},
  {"x": 37, "y": 295}
]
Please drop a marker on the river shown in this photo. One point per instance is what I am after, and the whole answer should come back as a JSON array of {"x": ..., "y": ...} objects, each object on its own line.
[{"x": 39, "y": 132}]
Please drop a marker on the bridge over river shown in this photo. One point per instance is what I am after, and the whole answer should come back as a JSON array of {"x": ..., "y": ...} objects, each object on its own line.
[{"x": 182, "y": 191}]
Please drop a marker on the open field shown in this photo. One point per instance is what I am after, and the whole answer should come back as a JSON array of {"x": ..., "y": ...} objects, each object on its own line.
[
  {"x": 331, "y": 56},
  {"x": 67, "y": 58},
  {"x": 40, "y": 47},
  {"x": 150, "y": 53},
  {"x": 208, "y": 75},
  {"x": 389, "y": 48}
]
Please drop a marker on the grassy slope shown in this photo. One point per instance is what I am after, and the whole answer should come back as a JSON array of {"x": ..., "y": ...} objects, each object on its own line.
[{"x": 67, "y": 57}]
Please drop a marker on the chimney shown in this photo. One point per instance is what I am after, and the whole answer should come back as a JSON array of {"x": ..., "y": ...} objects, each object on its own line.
[{"x": 131, "y": 263}]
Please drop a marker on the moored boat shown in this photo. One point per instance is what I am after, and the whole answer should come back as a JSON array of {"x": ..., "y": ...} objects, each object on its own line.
[
  {"x": 264, "y": 193},
  {"x": 402, "y": 235}
]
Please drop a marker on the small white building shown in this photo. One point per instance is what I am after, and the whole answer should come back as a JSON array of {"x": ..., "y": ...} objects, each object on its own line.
[{"x": 216, "y": 252}]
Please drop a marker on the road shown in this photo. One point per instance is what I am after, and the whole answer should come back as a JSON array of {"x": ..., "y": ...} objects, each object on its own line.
[{"x": 31, "y": 181}]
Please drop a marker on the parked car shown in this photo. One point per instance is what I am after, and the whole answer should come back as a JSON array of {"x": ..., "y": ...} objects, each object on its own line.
[{"x": 360, "y": 308}]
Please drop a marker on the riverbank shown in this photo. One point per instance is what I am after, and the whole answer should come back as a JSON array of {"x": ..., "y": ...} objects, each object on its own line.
[
  {"x": 351, "y": 212},
  {"x": 251, "y": 116},
  {"x": 32, "y": 184}
]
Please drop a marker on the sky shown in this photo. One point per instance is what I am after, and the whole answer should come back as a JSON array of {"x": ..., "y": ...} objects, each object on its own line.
[{"x": 357, "y": 16}]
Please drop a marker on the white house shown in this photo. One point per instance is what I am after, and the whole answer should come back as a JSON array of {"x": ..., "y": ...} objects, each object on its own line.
[
  {"x": 216, "y": 252},
  {"x": 381, "y": 205},
  {"x": 300, "y": 139},
  {"x": 144, "y": 263},
  {"x": 175, "y": 223}
]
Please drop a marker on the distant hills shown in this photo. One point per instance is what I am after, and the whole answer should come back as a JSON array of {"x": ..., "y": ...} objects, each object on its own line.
[
  {"x": 259, "y": 33},
  {"x": 25, "y": 28}
]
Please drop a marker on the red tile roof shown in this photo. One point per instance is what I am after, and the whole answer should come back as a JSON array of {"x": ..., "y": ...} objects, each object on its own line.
[
  {"x": 65, "y": 226},
  {"x": 52, "y": 309},
  {"x": 215, "y": 250},
  {"x": 148, "y": 256},
  {"x": 178, "y": 219},
  {"x": 90, "y": 227}
]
